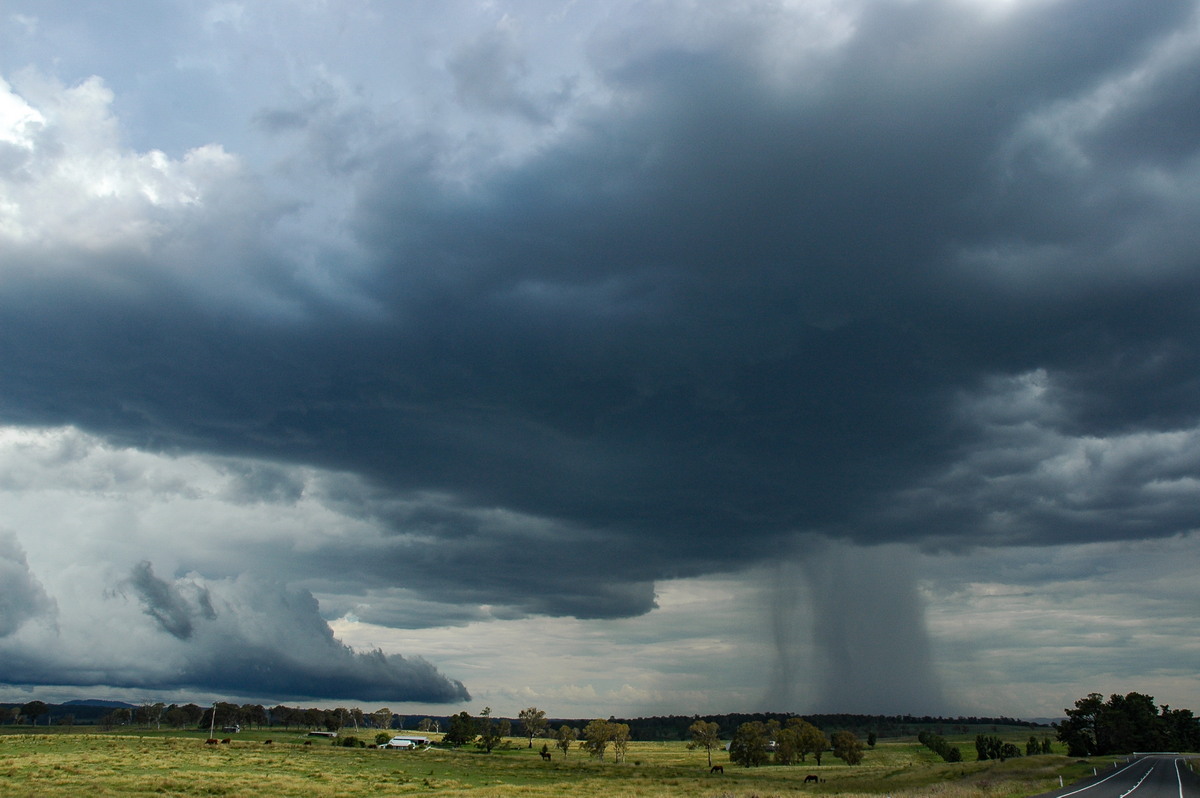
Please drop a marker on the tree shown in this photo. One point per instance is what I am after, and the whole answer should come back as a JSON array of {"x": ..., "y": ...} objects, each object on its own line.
[
  {"x": 33, "y": 710},
  {"x": 489, "y": 731},
  {"x": 151, "y": 714},
  {"x": 282, "y": 714},
  {"x": 787, "y": 746},
  {"x": 871, "y": 739},
  {"x": 462, "y": 729},
  {"x": 620, "y": 740},
  {"x": 706, "y": 735},
  {"x": 426, "y": 725},
  {"x": 533, "y": 722},
  {"x": 254, "y": 715},
  {"x": 596, "y": 737},
  {"x": 749, "y": 745},
  {"x": 1081, "y": 730},
  {"x": 988, "y": 746},
  {"x": 847, "y": 747},
  {"x": 1131, "y": 723},
  {"x": 811, "y": 739},
  {"x": 1033, "y": 746},
  {"x": 382, "y": 718},
  {"x": 564, "y": 737},
  {"x": 1124, "y": 724}
]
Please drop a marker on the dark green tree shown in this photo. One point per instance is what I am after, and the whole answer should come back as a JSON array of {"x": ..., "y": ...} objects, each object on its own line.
[
  {"x": 847, "y": 747},
  {"x": 488, "y": 730},
  {"x": 34, "y": 710},
  {"x": 1124, "y": 724},
  {"x": 787, "y": 746},
  {"x": 462, "y": 729},
  {"x": 811, "y": 739},
  {"x": 988, "y": 746},
  {"x": 749, "y": 745},
  {"x": 1082, "y": 730}
]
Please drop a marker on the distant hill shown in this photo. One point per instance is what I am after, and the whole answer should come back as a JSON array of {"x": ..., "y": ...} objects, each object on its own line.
[{"x": 81, "y": 711}]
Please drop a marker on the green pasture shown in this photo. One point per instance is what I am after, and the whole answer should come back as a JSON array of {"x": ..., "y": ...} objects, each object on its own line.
[{"x": 150, "y": 763}]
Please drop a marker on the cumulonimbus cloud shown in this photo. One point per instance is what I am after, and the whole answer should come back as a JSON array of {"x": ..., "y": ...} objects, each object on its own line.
[{"x": 927, "y": 284}]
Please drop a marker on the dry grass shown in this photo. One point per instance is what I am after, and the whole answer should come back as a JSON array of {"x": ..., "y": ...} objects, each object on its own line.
[{"x": 155, "y": 765}]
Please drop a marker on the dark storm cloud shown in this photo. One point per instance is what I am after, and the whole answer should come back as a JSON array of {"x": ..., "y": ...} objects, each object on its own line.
[
  {"x": 721, "y": 309},
  {"x": 23, "y": 597},
  {"x": 164, "y": 603}
]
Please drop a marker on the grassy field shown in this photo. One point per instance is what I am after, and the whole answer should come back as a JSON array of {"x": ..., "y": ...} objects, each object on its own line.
[{"x": 180, "y": 764}]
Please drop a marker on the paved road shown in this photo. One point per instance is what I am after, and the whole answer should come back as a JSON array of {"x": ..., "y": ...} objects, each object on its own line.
[{"x": 1152, "y": 776}]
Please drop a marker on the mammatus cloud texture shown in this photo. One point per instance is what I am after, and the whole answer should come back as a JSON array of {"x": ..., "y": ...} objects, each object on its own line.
[{"x": 522, "y": 310}]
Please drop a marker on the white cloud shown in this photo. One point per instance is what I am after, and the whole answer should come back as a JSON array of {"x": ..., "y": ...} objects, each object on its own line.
[{"x": 68, "y": 183}]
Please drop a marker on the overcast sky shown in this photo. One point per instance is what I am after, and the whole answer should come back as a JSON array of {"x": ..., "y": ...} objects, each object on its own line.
[{"x": 621, "y": 358}]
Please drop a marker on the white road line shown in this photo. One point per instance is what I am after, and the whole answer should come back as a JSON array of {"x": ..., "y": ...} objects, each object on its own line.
[
  {"x": 1106, "y": 778},
  {"x": 1139, "y": 784}
]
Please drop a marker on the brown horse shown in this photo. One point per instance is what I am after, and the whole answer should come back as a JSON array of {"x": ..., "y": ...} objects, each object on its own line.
[
  {"x": 810, "y": 777},
  {"x": 717, "y": 769},
  {"x": 545, "y": 756}
]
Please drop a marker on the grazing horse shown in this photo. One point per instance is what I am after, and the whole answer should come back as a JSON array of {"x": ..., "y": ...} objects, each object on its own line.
[
  {"x": 308, "y": 742},
  {"x": 266, "y": 742},
  {"x": 717, "y": 769},
  {"x": 226, "y": 741},
  {"x": 210, "y": 741},
  {"x": 810, "y": 777},
  {"x": 545, "y": 756}
]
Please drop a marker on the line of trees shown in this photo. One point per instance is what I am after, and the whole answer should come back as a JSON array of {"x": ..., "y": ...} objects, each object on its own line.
[
  {"x": 677, "y": 727},
  {"x": 1124, "y": 724},
  {"x": 248, "y": 716},
  {"x": 756, "y": 742},
  {"x": 940, "y": 746},
  {"x": 485, "y": 731}
]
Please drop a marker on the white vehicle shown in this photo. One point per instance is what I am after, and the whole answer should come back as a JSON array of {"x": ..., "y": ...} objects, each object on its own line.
[{"x": 407, "y": 741}]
